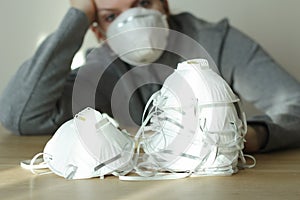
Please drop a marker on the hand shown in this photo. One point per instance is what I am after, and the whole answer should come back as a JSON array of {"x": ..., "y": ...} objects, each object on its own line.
[
  {"x": 86, "y": 6},
  {"x": 256, "y": 138}
]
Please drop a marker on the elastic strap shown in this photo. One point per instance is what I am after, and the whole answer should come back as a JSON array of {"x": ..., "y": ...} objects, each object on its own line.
[
  {"x": 244, "y": 162},
  {"x": 43, "y": 165}
]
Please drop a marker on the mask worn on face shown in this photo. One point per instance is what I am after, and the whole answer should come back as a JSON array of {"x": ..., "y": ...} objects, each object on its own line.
[
  {"x": 90, "y": 145},
  {"x": 138, "y": 36}
]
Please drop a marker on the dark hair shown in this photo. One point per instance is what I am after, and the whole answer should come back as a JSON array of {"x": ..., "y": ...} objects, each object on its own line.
[{"x": 166, "y": 7}]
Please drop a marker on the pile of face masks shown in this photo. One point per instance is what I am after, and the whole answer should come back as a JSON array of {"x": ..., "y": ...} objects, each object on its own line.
[
  {"x": 196, "y": 124},
  {"x": 194, "y": 127}
]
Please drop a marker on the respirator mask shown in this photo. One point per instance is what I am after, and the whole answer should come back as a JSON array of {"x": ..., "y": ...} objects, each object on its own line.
[
  {"x": 138, "y": 36},
  {"x": 89, "y": 145}
]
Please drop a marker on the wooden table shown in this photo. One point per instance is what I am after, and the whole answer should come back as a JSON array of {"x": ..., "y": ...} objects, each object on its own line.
[{"x": 276, "y": 176}]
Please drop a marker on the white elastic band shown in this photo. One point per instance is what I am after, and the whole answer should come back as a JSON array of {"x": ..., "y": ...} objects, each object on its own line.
[
  {"x": 25, "y": 164},
  {"x": 34, "y": 167},
  {"x": 244, "y": 162}
]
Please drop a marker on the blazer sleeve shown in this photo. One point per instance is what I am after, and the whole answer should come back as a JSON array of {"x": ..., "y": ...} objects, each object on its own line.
[{"x": 38, "y": 97}]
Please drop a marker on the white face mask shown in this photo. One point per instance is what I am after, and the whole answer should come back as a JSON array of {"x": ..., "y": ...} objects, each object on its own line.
[
  {"x": 138, "y": 36},
  {"x": 90, "y": 145}
]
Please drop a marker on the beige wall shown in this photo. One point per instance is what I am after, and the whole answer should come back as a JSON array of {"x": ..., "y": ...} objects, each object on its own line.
[{"x": 273, "y": 23}]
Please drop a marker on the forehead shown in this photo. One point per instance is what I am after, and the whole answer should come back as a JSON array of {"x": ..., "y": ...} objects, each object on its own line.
[{"x": 114, "y": 4}]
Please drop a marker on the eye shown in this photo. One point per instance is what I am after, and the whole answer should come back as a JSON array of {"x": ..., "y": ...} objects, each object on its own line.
[
  {"x": 144, "y": 3},
  {"x": 110, "y": 17}
]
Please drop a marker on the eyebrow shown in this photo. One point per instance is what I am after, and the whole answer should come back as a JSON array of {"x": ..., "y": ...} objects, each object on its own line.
[{"x": 106, "y": 9}]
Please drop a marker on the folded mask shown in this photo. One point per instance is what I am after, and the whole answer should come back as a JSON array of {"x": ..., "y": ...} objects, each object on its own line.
[{"x": 90, "y": 145}]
